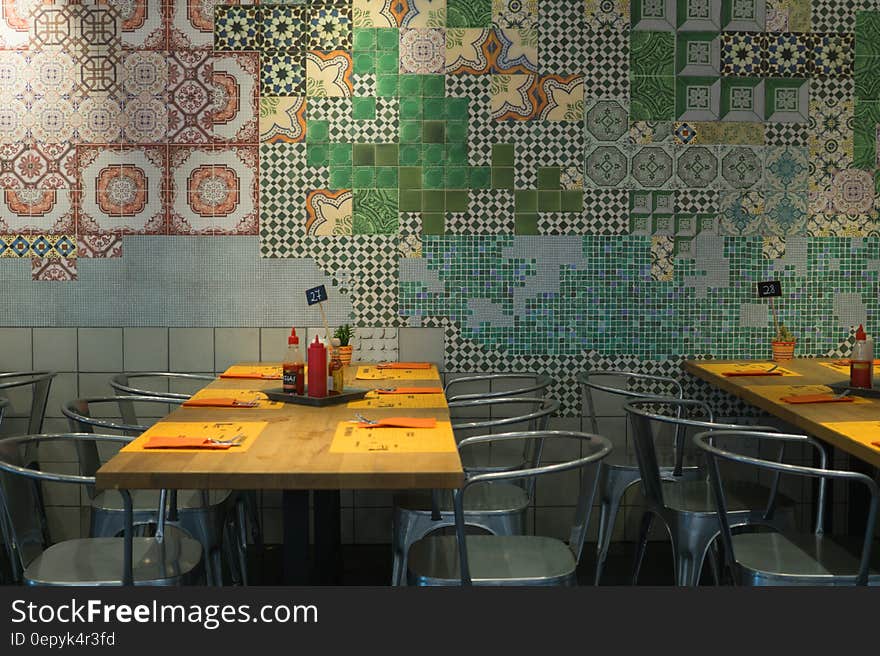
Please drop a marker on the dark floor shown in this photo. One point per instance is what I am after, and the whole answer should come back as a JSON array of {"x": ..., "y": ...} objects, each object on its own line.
[{"x": 371, "y": 565}]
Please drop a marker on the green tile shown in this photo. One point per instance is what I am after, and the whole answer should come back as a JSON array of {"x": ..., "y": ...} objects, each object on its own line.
[
  {"x": 468, "y": 13},
  {"x": 387, "y": 62},
  {"x": 410, "y": 154},
  {"x": 525, "y": 223},
  {"x": 386, "y": 177},
  {"x": 572, "y": 200},
  {"x": 432, "y": 223},
  {"x": 434, "y": 86},
  {"x": 433, "y": 177},
  {"x": 502, "y": 177},
  {"x": 652, "y": 53},
  {"x": 526, "y": 200},
  {"x": 340, "y": 154},
  {"x": 868, "y": 34},
  {"x": 340, "y": 177},
  {"x": 363, "y": 154},
  {"x": 386, "y": 86},
  {"x": 363, "y": 108},
  {"x": 410, "y": 108},
  {"x": 867, "y": 77},
  {"x": 548, "y": 177},
  {"x": 363, "y": 39},
  {"x": 502, "y": 155},
  {"x": 318, "y": 154},
  {"x": 410, "y": 132},
  {"x": 364, "y": 177},
  {"x": 480, "y": 177},
  {"x": 652, "y": 99},
  {"x": 457, "y": 200},
  {"x": 410, "y": 200},
  {"x": 433, "y": 154},
  {"x": 549, "y": 201},
  {"x": 457, "y": 109},
  {"x": 386, "y": 155},
  {"x": 457, "y": 177},
  {"x": 866, "y": 119},
  {"x": 387, "y": 38},
  {"x": 433, "y": 201},
  {"x": 434, "y": 132},
  {"x": 411, "y": 85},
  {"x": 376, "y": 212},
  {"x": 456, "y": 154},
  {"x": 433, "y": 107},
  {"x": 364, "y": 63},
  {"x": 317, "y": 131},
  {"x": 456, "y": 131},
  {"x": 410, "y": 177}
]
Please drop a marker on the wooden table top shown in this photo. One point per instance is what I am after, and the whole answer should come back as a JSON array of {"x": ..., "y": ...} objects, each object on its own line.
[
  {"x": 293, "y": 452},
  {"x": 812, "y": 418}
]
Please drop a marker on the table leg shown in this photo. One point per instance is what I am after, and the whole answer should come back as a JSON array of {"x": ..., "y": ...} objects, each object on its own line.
[
  {"x": 328, "y": 537},
  {"x": 295, "y": 552}
]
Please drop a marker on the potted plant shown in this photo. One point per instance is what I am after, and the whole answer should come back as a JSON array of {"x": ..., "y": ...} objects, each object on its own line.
[
  {"x": 344, "y": 333},
  {"x": 783, "y": 345}
]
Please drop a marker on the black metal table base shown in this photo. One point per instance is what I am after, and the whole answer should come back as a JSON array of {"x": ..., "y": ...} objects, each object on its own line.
[{"x": 300, "y": 565}]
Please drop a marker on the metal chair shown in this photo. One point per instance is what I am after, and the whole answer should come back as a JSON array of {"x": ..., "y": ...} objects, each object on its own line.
[
  {"x": 621, "y": 471},
  {"x": 687, "y": 508},
  {"x": 246, "y": 506},
  {"x": 511, "y": 559},
  {"x": 121, "y": 383},
  {"x": 498, "y": 385},
  {"x": 202, "y": 513},
  {"x": 784, "y": 557},
  {"x": 499, "y": 508},
  {"x": 169, "y": 558}
]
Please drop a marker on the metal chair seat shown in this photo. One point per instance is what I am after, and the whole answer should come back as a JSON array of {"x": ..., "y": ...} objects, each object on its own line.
[
  {"x": 801, "y": 559},
  {"x": 696, "y": 497},
  {"x": 628, "y": 460},
  {"x": 498, "y": 498},
  {"x": 493, "y": 560},
  {"x": 98, "y": 561}
]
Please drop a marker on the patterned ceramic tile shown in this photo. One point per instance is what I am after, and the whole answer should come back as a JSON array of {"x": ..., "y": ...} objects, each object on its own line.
[
  {"x": 420, "y": 13},
  {"x": 282, "y": 120},
  {"x": 53, "y": 269},
  {"x": 422, "y": 51},
  {"x": 477, "y": 51},
  {"x": 237, "y": 27},
  {"x": 328, "y": 73},
  {"x": 516, "y": 14},
  {"x": 329, "y": 26},
  {"x": 143, "y": 23},
  {"x": 282, "y": 74},
  {"x": 98, "y": 246},
  {"x": 329, "y": 213},
  {"x": 213, "y": 190},
  {"x": 234, "y": 91},
  {"x": 373, "y": 13}
]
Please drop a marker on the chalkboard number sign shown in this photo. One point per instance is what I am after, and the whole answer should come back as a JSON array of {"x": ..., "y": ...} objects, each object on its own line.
[
  {"x": 769, "y": 289},
  {"x": 316, "y": 294}
]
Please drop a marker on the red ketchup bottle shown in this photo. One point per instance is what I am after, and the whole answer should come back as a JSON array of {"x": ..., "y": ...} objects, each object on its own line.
[
  {"x": 861, "y": 363},
  {"x": 293, "y": 369},
  {"x": 317, "y": 373}
]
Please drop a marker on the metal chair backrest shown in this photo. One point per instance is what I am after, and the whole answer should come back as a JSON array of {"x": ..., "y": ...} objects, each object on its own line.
[
  {"x": 121, "y": 383},
  {"x": 706, "y": 441},
  {"x": 19, "y": 497},
  {"x": 644, "y": 414},
  {"x": 40, "y": 382},
  {"x": 79, "y": 413},
  {"x": 498, "y": 386},
  {"x": 595, "y": 447}
]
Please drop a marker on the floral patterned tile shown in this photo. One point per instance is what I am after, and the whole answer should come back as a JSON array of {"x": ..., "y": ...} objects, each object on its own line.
[
  {"x": 420, "y": 13},
  {"x": 515, "y": 97},
  {"x": 373, "y": 13},
  {"x": 54, "y": 269},
  {"x": 143, "y": 23},
  {"x": 14, "y": 23},
  {"x": 282, "y": 119},
  {"x": 375, "y": 212},
  {"x": 36, "y": 211},
  {"x": 329, "y": 212},
  {"x": 213, "y": 190},
  {"x": 122, "y": 189},
  {"x": 282, "y": 74},
  {"x": 517, "y": 14},
  {"x": 98, "y": 246},
  {"x": 233, "y": 112},
  {"x": 422, "y": 51},
  {"x": 237, "y": 27},
  {"x": 284, "y": 26},
  {"x": 476, "y": 51},
  {"x": 328, "y": 73},
  {"x": 37, "y": 166},
  {"x": 564, "y": 98},
  {"x": 189, "y": 96},
  {"x": 329, "y": 26}
]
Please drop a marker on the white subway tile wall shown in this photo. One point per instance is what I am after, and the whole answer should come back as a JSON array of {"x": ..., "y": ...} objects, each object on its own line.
[{"x": 86, "y": 358}]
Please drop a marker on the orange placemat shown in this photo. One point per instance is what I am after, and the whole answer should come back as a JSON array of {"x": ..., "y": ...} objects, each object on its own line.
[
  {"x": 404, "y": 365},
  {"x": 410, "y": 390},
  {"x": 757, "y": 368},
  {"x": 817, "y": 398},
  {"x": 229, "y": 398},
  {"x": 370, "y": 372},
  {"x": 399, "y": 401},
  {"x": 259, "y": 372},
  {"x": 350, "y": 438},
  {"x": 194, "y": 430},
  {"x": 781, "y": 393}
]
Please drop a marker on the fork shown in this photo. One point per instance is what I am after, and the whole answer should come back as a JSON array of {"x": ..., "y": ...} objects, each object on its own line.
[
  {"x": 842, "y": 394},
  {"x": 773, "y": 368},
  {"x": 232, "y": 441},
  {"x": 364, "y": 420}
]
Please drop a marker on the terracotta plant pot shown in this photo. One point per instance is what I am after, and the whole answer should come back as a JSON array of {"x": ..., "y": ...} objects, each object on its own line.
[
  {"x": 783, "y": 351},
  {"x": 344, "y": 354}
]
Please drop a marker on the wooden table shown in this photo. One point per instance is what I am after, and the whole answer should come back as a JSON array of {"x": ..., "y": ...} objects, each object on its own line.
[
  {"x": 292, "y": 454},
  {"x": 811, "y": 418}
]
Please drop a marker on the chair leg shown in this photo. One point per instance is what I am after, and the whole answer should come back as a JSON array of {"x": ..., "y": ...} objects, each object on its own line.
[
  {"x": 230, "y": 551},
  {"x": 644, "y": 531},
  {"x": 607, "y": 517},
  {"x": 242, "y": 541}
]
